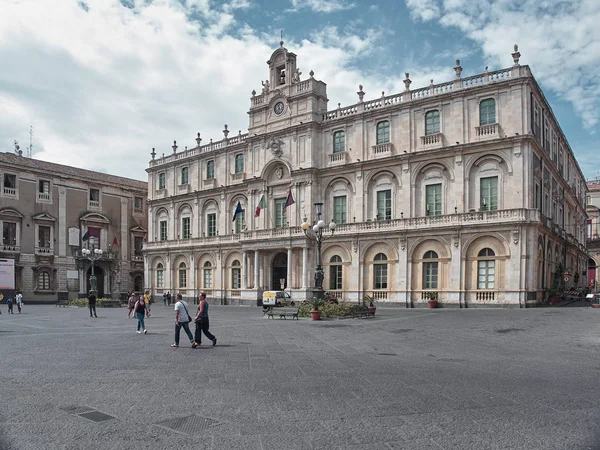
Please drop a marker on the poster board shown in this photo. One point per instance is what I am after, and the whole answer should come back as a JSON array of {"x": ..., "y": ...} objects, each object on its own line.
[{"x": 7, "y": 274}]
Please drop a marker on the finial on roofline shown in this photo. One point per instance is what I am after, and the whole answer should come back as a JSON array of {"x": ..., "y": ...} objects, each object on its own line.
[{"x": 516, "y": 55}]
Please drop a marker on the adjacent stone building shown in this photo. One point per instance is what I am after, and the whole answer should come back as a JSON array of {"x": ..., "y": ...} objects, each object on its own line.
[
  {"x": 466, "y": 188},
  {"x": 47, "y": 209},
  {"x": 593, "y": 232}
]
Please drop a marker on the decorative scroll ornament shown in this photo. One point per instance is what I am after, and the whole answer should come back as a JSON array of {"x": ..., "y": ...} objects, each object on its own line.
[{"x": 275, "y": 145}]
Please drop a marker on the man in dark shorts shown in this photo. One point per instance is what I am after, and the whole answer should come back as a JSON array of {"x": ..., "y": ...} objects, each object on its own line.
[{"x": 92, "y": 303}]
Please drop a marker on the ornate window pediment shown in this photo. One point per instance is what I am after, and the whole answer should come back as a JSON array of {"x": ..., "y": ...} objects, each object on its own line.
[
  {"x": 9, "y": 212},
  {"x": 138, "y": 229},
  {"x": 44, "y": 216},
  {"x": 94, "y": 217}
]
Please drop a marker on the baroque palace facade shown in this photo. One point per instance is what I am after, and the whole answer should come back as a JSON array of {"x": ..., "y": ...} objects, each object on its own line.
[
  {"x": 466, "y": 188},
  {"x": 48, "y": 211}
]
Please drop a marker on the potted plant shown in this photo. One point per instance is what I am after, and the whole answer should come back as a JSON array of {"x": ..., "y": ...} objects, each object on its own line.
[
  {"x": 432, "y": 299},
  {"x": 368, "y": 303},
  {"x": 315, "y": 313}
]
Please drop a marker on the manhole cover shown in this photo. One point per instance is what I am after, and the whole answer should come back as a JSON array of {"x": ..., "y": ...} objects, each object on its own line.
[
  {"x": 190, "y": 424},
  {"x": 76, "y": 409},
  {"x": 96, "y": 416}
]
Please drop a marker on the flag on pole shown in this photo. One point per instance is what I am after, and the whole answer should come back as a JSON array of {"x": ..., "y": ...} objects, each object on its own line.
[
  {"x": 261, "y": 205},
  {"x": 289, "y": 201},
  {"x": 238, "y": 210},
  {"x": 85, "y": 237}
]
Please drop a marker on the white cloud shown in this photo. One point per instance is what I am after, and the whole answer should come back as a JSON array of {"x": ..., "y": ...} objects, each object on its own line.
[
  {"x": 558, "y": 39},
  {"x": 103, "y": 87},
  {"x": 324, "y": 6}
]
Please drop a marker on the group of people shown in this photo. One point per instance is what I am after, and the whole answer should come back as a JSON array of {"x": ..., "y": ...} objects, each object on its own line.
[
  {"x": 140, "y": 308},
  {"x": 18, "y": 300}
]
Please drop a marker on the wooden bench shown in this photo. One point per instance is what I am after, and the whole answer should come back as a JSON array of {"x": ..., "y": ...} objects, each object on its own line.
[
  {"x": 362, "y": 313},
  {"x": 283, "y": 313}
]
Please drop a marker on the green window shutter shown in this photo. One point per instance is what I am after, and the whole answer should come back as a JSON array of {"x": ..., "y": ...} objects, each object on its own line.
[
  {"x": 163, "y": 230},
  {"x": 432, "y": 122},
  {"x": 184, "y": 175},
  {"x": 210, "y": 170},
  {"x": 384, "y": 205},
  {"x": 489, "y": 193},
  {"x": 239, "y": 163},
  {"x": 339, "y": 142},
  {"x": 239, "y": 221},
  {"x": 280, "y": 215},
  {"x": 487, "y": 112},
  {"x": 339, "y": 209},
  {"x": 383, "y": 132},
  {"x": 433, "y": 194},
  {"x": 211, "y": 224},
  {"x": 185, "y": 228}
]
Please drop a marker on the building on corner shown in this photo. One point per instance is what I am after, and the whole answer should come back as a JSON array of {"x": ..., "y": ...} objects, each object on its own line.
[{"x": 467, "y": 188}]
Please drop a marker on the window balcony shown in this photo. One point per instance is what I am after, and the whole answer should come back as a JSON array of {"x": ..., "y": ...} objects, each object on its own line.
[
  {"x": 94, "y": 204},
  {"x": 209, "y": 183},
  {"x": 43, "y": 196},
  {"x": 487, "y": 131},
  {"x": 139, "y": 211},
  {"x": 9, "y": 192},
  {"x": 183, "y": 188},
  {"x": 383, "y": 149},
  {"x": 432, "y": 140},
  {"x": 485, "y": 296},
  {"x": 10, "y": 248},
  {"x": 338, "y": 158},
  {"x": 44, "y": 250},
  {"x": 239, "y": 176},
  {"x": 160, "y": 193}
]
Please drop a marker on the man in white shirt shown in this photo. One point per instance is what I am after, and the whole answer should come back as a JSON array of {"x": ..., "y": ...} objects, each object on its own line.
[
  {"x": 19, "y": 299},
  {"x": 182, "y": 319}
]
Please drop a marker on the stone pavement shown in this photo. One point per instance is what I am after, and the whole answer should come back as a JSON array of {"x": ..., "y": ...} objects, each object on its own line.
[{"x": 408, "y": 379}]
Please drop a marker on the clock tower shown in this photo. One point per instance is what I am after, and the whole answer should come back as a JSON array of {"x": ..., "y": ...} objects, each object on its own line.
[{"x": 286, "y": 98}]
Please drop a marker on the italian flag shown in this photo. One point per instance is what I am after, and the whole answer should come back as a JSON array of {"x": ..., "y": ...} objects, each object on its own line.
[{"x": 261, "y": 205}]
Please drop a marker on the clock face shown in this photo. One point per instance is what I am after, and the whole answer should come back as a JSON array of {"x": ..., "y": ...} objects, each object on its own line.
[{"x": 278, "y": 108}]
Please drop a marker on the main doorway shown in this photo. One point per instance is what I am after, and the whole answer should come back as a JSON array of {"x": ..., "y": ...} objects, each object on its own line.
[
  {"x": 280, "y": 264},
  {"x": 99, "y": 272}
]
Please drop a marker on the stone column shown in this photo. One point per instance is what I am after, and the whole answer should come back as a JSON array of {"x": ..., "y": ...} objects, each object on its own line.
[
  {"x": 124, "y": 238},
  {"x": 289, "y": 268},
  {"x": 192, "y": 279},
  {"x": 244, "y": 269},
  {"x": 62, "y": 221},
  {"x": 304, "y": 267},
  {"x": 256, "y": 269}
]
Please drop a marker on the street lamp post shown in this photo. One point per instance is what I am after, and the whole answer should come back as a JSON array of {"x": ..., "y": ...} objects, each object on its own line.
[
  {"x": 92, "y": 255},
  {"x": 318, "y": 236}
]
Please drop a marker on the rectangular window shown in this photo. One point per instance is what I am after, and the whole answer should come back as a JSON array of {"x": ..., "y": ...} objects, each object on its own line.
[
  {"x": 383, "y": 132},
  {"x": 162, "y": 180},
  {"x": 160, "y": 279},
  {"x": 239, "y": 163},
  {"x": 335, "y": 277},
  {"x": 486, "y": 274},
  {"x": 430, "y": 275},
  {"x": 236, "y": 278},
  {"x": 536, "y": 200},
  {"x": 9, "y": 233},
  {"x": 207, "y": 278},
  {"x": 487, "y": 112},
  {"x": 182, "y": 278},
  {"x": 210, "y": 169},
  {"x": 384, "y": 205},
  {"x": 138, "y": 205},
  {"x": 239, "y": 221},
  {"x": 433, "y": 194},
  {"x": 432, "y": 122},
  {"x": 138, "y": 244},
  {"x": 186, "y": 227},
  {"x": 43, "y": 281},
  {"x": 44, "y": 237},
  {"x": 10, "y": 182},
  {"x": 163, "y": 230},
  {"x": 339, "y": 209},
  {"x": 280, "y": 215},
  {"x": 489, "y": 193},
  {"x": 339, "y": 142},
  {"x": 380, "y": 276},
  {"x": 589, "y": 228},
  {"x": 211, "y": 224},
  {"x": 95, "y": 198},
  {"x": 184, "y": 175},
  {"x": 43, "y": 190}
]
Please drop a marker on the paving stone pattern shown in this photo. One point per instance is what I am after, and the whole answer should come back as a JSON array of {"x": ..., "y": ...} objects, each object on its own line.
[{"x": 407, "y": 379}]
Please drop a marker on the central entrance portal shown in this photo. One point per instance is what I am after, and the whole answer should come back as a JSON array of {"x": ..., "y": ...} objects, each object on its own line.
[
  {"x": 99, "y": 272},
  {"x": 280, "y": 264}
]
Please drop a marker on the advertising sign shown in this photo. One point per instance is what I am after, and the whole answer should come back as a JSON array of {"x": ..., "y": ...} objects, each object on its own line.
[{"x": 7, "y": 274}]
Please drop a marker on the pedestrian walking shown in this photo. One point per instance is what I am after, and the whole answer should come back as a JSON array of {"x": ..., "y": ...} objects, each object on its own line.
[
  {"x": 19, "y": 299},
  {"x": 165, "y": 299},
  {"x": 202, "y": 323},
  {"x": 182, "y": 319},
  {"x": 131, "y": 301},
  {"x": 92, "y": 303},
  {"x": 140, "y": 308},
  {"x": 168, "y": 298},
  {"x": 9, "y": 302},
  {"x": 148, "y": 299}
]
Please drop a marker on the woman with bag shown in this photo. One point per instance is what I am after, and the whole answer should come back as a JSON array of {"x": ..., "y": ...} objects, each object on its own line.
[
  {"x": 202, "y": 323},
  {"x": 140, "y": 308}
]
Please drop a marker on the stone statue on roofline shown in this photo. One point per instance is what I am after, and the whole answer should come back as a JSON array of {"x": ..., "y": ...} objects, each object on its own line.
[
  {"x": 296, "y": 76},
  {"x": 265, "y": 84}
]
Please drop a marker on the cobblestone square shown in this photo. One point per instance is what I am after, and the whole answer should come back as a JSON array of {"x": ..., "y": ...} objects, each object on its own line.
[{"x": 407, "y": 379}]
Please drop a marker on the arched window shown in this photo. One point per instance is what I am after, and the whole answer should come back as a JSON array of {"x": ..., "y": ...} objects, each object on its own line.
[
  {"x": 182, "y": 275},
  {"x": 430, "y": 270},
  {"x": 432, "y": 122},
  {"x": 335, "y": 273},
  {"x": 380, "y": 272},
  {"x": 160, "y": 275},
  {"x": 43, "y": 281},
  {"x": 236, "y": 275},
  {"x": 339, "y": 142},
  {"x": 486, "y": 269},
  {"x": 487, "y": 111},
  {"x": 383, "y": 132},
  {"x": 207, "y": 274}
]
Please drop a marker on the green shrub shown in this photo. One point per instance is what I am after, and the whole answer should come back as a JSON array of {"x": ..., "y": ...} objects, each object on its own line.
[{"x": 329, "y": 310}]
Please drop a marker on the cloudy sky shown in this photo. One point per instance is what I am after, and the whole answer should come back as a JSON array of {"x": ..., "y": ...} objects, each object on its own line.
[{"x": 104, "y": 81}]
